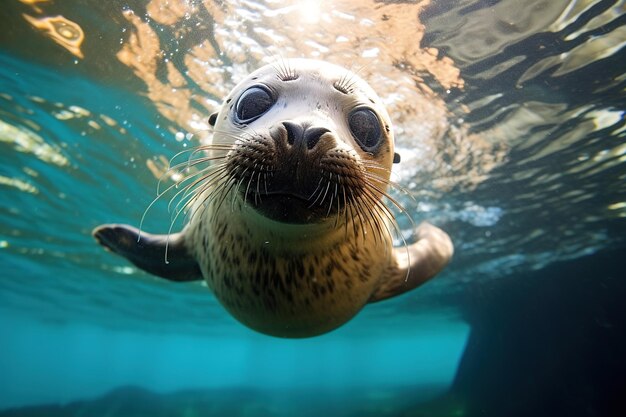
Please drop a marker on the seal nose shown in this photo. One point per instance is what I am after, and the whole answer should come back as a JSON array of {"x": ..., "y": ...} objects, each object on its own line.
[{"x": 297, "y": 133}]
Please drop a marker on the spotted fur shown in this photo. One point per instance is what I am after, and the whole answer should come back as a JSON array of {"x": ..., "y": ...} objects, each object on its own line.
[{"x": 273, "y": 287}]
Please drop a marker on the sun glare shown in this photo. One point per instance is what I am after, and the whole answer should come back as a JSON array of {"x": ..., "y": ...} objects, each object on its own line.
[{"x": 309, "y": 10}]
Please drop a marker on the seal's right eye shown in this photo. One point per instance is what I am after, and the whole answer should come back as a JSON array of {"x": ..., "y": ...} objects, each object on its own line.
[{"x": 252, "y": 104}]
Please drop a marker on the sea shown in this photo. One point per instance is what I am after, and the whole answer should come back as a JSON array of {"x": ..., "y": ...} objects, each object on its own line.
[{"x": 509, "y": 119}]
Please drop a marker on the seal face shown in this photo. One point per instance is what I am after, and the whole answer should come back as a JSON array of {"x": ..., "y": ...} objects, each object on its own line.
[
  {"x": 310, "y": 139},
  {"x": 287, "y": 223}
]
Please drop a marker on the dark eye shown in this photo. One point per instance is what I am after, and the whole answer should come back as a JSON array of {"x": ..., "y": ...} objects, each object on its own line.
[
  {"x": 365, "y": 127},
  {"x": 252, "y": 104}
]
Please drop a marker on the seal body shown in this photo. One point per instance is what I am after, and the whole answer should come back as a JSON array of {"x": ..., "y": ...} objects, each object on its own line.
[
  {"x": 298, "y": 282},
  {"x": 287, "y": 222}
]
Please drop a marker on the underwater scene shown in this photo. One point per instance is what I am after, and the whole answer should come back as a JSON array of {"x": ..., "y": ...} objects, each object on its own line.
[{"x": 507, "y": 119}]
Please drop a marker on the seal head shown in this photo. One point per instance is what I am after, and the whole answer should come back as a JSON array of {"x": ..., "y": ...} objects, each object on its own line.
[{"x": 307, "y": 133}]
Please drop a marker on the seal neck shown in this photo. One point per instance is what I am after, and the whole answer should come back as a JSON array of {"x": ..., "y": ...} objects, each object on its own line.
[{"x": 291, "y": 237}]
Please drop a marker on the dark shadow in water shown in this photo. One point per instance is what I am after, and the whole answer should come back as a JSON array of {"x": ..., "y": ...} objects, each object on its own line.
[{"x": 549, "y": 343}]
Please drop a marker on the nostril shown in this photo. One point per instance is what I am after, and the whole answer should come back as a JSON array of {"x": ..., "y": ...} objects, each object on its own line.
[
  {"x": 312, "y": 135},
  {"x": 294, "y": 132},
  {"x": 303, "y": 134}
]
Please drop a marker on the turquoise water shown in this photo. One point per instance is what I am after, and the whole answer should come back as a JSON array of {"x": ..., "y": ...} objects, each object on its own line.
[{"x": 523, "y": 165}]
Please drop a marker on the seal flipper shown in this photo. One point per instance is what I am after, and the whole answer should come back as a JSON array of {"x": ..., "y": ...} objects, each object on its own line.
[
  {"x": 413, "y": 267},
  {"x": 148, "y": 253}
]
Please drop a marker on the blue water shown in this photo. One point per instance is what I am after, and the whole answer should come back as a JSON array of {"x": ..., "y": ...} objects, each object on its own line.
[{"x": 528, "y": 178}]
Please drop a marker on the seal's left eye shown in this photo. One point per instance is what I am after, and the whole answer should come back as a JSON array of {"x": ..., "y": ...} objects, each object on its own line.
[
  {"x": 365, "y": 127},
  {"x": 252, "y": 104}
]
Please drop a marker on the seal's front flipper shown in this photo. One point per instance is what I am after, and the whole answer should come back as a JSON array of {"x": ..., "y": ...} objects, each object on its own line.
[
  {"x": 416, "y": 264},
  {"x": 148, "y": 252}
]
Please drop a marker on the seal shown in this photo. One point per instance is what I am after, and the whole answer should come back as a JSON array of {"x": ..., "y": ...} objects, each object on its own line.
[{"x": 287, "y": 222}]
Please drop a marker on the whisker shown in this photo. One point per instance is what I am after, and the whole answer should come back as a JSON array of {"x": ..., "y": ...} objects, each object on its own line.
[
  {"x": 145, "y": 212},
  {"x": 346, "y": 205},
  {"x": 318, "y": 188},
  {"x": 391, "y": 220},
  {"x": 338, "y": 203},
  {"x": 207, "y": 182},
  {"x": 243, "y": 177},
  {"x": 383, "y": 193},
  {"x": 390, "y": 183},
  {"x": 225, "y": 190},
  {"x": 369, "y": 216},
  {"x": 325, "y": 192},
  {"x": 204, "y": 175},
  {"x": 330, "y": 205},
  {"x": 245, "y": 196},
  {"x": 358, "y": 208}
]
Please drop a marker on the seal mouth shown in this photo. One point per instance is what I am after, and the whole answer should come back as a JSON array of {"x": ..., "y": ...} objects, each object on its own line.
[
  {"x": 287, "y": 208},
  {"x": 290, "y": 201},
  {"x": 286, "y": 185}
]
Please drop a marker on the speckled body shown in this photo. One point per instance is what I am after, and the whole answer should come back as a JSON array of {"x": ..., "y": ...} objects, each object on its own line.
[{"x": 285, "y": 282}]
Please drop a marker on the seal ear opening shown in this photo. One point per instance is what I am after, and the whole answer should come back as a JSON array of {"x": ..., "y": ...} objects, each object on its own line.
[
  {"x": 212, "y": 119},
  {"x": 396, "y": 158}
]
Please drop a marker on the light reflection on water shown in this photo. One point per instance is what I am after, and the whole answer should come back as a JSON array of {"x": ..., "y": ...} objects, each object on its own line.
[{"x": 509, "y": 118}]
